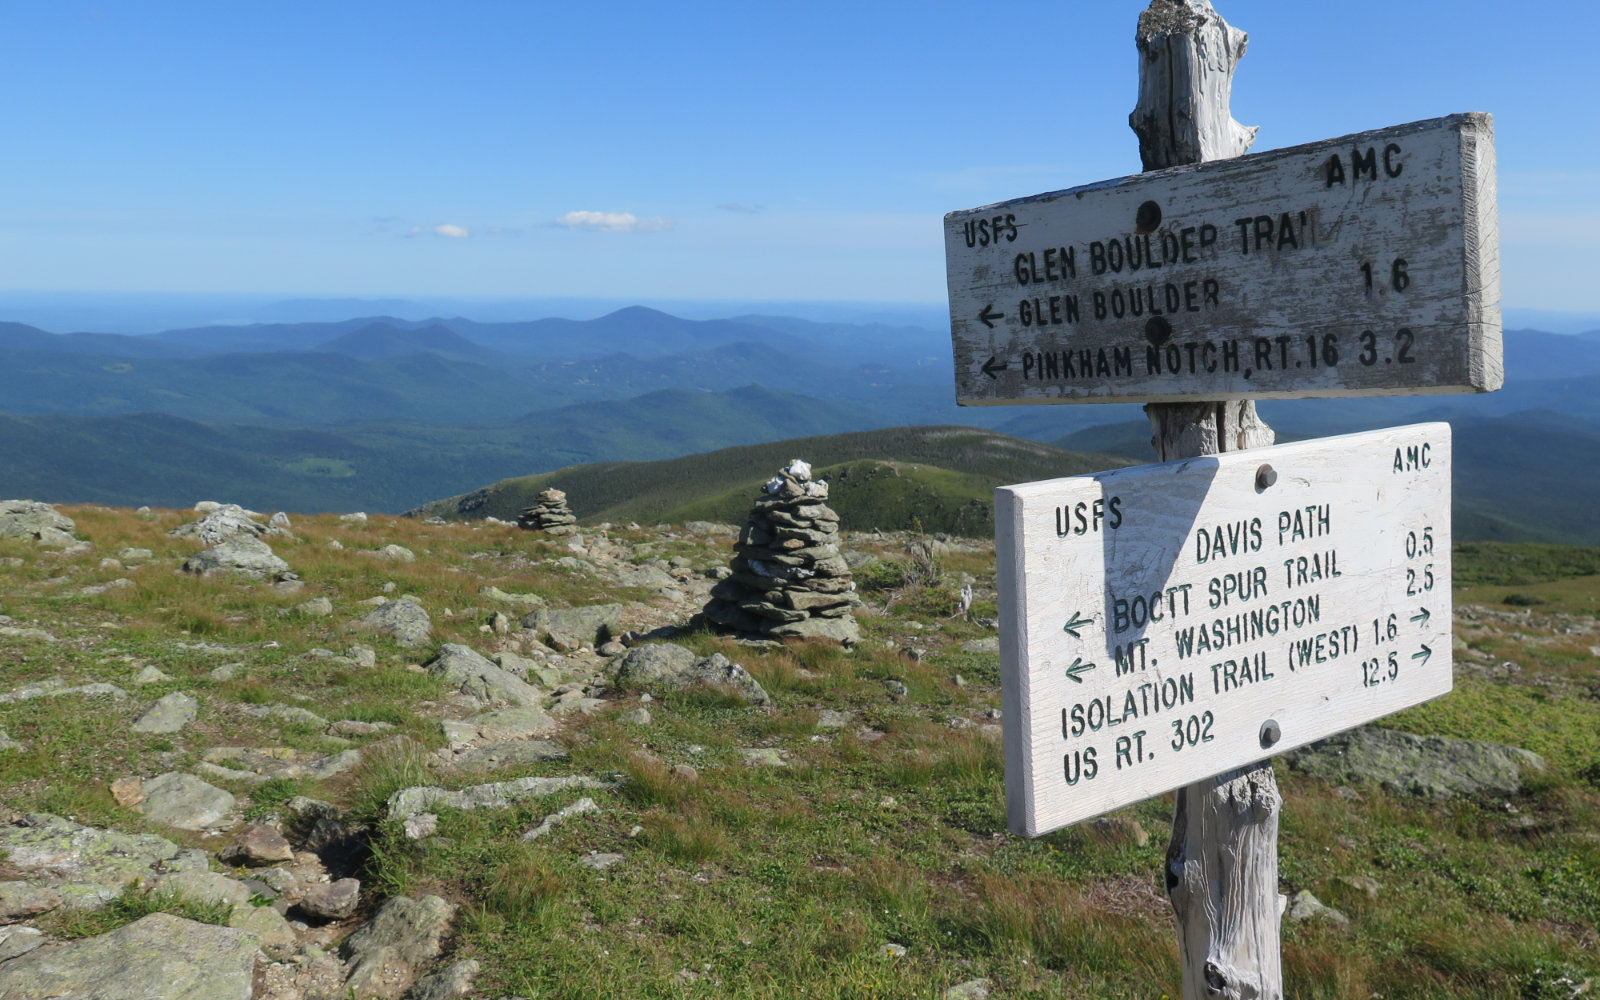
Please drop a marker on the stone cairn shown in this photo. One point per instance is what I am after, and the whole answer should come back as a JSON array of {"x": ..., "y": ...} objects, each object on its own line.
[
  {"x": 550, "y": 515},
  {"x": 788, "y": 579}
]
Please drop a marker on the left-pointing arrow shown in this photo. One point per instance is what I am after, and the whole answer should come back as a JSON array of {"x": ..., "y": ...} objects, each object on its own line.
[
  {"x": 995, "y": 365},
  {"x": 989, "y": 315},
  {"x": 1079, "y": 667},
  {"x": 1071, "y": 627}
]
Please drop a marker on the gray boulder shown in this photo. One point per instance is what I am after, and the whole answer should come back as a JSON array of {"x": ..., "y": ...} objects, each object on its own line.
[
  {"x": 1434, "y": 767},
  {"x": 454, "y": 980},
  {"x": 184, "y": 801},
  {"x": 406, "y": 622},
  {"x": 84, "y": 865},
  {"x": 403, "y": 936},
  {"x": 572, "y": 627},
  {"x": 38, "y": 521},
  {"x": 220, "y": 523},
  {"x": 158, "y": 957},
  {"x": 666, "y": 665},
  {"x": 169, "y": 714},
  {"x": 471, "y": 674},
  {"x": 243, "y": 555},
  {"x": 410, "y": 802}
]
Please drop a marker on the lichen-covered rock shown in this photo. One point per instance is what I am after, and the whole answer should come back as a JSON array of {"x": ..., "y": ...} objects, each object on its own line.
[
  {"x": 666, "y": 666},
  {"x": 242, "y": 555},
  {"x": 499, "y": 795},
  {"x": 1434, "y": 767},
  {"x": 466, "y": 671},
  {"x": 38, "y": 521},
  {"x": 222, "y": 522},
  {"x": 169, "y": 714},
  {"x": 184, "y": 801},
  {"x": 157, "y": 957},
  {"x": 572, "y": 627},
  {"x": 403, "y": 621},
  {"x": 83, "y": 865},
  {"x": 403, "y": 936}
]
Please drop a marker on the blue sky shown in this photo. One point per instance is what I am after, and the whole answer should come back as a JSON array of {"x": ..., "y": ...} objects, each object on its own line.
[{"x": 697, "y": 151}]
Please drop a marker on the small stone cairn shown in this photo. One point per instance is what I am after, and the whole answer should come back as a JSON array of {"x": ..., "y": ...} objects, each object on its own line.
[
  {"x": 550, "y": 515},
  {"x": 788, "y": 579}
]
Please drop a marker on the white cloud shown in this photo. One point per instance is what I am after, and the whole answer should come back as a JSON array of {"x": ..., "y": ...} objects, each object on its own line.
[
  {"x": 612, "y": 222},
  {"x": 448, "y": 231}
]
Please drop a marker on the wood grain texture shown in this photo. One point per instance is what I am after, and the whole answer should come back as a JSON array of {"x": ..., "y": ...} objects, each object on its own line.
[{"x": 1364, "y": 265}]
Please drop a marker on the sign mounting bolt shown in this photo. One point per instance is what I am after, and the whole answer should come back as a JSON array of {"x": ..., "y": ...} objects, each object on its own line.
[
  {"x": 1270, "y": 734},
  {"x": 1265, "y": 477}
]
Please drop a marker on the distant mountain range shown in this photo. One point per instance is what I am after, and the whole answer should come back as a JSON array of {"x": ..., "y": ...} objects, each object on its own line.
[{"x": 384, "y": 413}]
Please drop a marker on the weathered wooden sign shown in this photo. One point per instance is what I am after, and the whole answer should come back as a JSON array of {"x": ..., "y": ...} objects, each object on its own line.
[
  {"x": 1165, "y": 623},
  {"x": 1367, "y": 265}
]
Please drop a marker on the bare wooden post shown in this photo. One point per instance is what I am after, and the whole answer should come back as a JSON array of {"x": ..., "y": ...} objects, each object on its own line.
[{"x": 1222, "y": 861}]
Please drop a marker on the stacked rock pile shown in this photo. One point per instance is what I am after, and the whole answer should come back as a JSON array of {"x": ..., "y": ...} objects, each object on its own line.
[
  {"x": 550, "y": 515},
  {"x": 789, "y": 579}
]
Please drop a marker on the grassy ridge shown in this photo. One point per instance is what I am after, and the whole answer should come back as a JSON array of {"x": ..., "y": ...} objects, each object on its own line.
[{"x": 936, "y": 474}]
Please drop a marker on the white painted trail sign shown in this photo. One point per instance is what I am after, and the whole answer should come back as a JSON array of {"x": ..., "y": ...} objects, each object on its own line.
[
  {"x": 1165, "y": 623},
  {"x": 1367, "y": 265}
]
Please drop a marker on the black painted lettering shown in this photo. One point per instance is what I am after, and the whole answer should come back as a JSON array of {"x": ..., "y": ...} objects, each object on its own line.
[
  {"x": 1263, "y": 353},
  {"x": 1335, "y": 170},
  {"x": 1186, "y": 240},
  {"x": 1391, "y": 164},
  {"x": 1364, "y": 166}
]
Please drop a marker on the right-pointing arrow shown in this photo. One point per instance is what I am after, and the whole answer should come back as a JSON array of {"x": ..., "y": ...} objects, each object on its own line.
[
  {"x": 1423, "y": 656},
  {"x": 1423, "y": 618}
]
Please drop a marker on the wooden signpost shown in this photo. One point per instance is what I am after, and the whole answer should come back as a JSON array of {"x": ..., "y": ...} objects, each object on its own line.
[
  {"x": 1176, "y": 625},
  {"x": 1166, "y": 623},
  {"x": 1358, "y": 266}
]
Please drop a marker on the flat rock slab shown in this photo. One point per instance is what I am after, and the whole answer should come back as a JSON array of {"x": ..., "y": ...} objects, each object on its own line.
[
  {"x": 516, "y": 723},
  {"x": 184, "y": 801},
  {"x": 471, "y": 674},
  {"x": 497, "y": 795},
  {"x": 75, "y": 857},
  {"x": 158, "y": 957},
  {"x": 169, "y": 714},
  {"x": 1434, "y": 767},
  {"x": 498, "y": 756},
  {"x": 257, "y": 845}
]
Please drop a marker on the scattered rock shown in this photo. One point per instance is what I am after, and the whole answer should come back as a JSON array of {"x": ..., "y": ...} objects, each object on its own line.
[
  {"x": 56, "y": 688},
  {"x": 549, "y": 514},
  {"x": 184, "y": 801},
  {"x": 317, "y": 607},
  {"x": 393, "y": 553},
  {"x": 421, "y": 825},
  {"x": 972, "y": 989},
  {"x": 466, "y": 671},
  {"x": 357, "y": 517},
  {"x": 1304, "y": 906},
  {"x": 635, "y": 717},
  {"x": 550, "y": 822},
  {"x": 1114, "y": 831},
  {"x": 150, "y": 675},
  {"x": 525, "y": 600},
  {"x": 169, "y": 714},
  {"x": 403, "y": 621},
  {"x": 763, "y": 757},
  {"x": 404, "y": 935},
  {"x": 566, "y": 629},
  {"x": 157, "y": 957},
  {"x": 892, "y": 950},
  {"x": 498, "y": 795},
  {"x": 278, "y": 939},
  {"x": 220, "y": 523},
  {"x": 600, "y": 860},
  {"x": 86, "y": 866},
  {"x": 660, "y": 666},
  {"x": 515, "y": 723},
  {"x": 257, "y": 845},
  {"x": 206, "y": 888},
  {"x": 243, "y": 555},
  {"x": 38, "y": 521},
  {"x": 788, "y": 579},
  {"x": 332, "y": 900},
  {"x": 1347, "y": 889},
  {"x": 128, "y": 792},
  {"x": 1435, "y": 767},
  {"x": 830, "y": 718},
  {"x": 498, "y": 756},
  {"x": 454, "y": 980}
]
